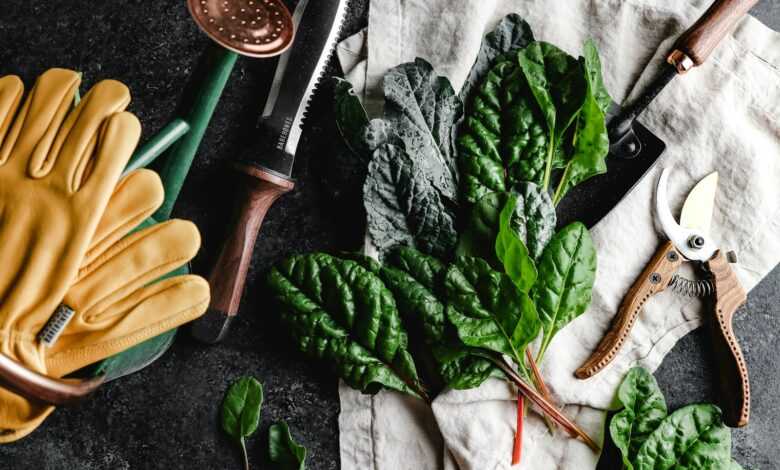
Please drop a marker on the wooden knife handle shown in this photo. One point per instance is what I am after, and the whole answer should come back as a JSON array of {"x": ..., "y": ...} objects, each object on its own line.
[
  {"x": 261, "y": 189},
  {"x": 698, "y": 42},
  {"x": 654, "y": 279},
  {"x": 734, "y": 383}
]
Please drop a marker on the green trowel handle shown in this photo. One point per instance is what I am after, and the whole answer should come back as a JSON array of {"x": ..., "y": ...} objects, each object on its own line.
[
  {"x": 216, "y": 65},
  {"x": 158, "y": 144}
]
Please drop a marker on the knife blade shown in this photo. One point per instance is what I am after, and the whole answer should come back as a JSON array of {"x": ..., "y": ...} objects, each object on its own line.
[
  {"x": 266, "y": 170},
  {"x": 628, "y": 138},
  {"x": 317, "y": 24}
]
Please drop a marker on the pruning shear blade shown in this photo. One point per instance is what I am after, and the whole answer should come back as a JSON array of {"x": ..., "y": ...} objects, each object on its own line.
[{"x": 691, "y": 238}]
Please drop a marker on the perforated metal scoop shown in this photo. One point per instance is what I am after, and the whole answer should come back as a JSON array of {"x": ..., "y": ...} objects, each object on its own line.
[{"x": 254, "y": 28}]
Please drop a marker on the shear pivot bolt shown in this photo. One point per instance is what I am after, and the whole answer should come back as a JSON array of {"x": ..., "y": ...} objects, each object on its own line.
[{"x": 696, "y": 242}]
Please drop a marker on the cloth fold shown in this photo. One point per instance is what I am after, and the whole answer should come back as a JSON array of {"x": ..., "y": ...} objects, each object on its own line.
[{"x": 722, "y": 116}]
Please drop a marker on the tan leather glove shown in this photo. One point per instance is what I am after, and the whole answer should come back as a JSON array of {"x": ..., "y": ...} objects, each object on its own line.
[{"x": 58, "y": 169}]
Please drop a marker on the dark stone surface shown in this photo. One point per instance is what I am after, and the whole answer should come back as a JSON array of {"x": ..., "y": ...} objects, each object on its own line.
[{"x": 167, "y": 415}]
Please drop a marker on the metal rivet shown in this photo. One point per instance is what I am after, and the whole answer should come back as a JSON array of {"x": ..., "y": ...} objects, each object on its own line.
[
  {"x": 655, "y": 278},
  {"x": 672, "y": 256}
]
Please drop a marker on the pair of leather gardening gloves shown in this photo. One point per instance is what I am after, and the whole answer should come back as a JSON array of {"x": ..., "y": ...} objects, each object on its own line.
[{"x": 66, "y": 236}]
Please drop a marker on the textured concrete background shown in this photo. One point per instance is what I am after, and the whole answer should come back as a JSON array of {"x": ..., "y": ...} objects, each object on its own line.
[{"x": 167, "y": 415}]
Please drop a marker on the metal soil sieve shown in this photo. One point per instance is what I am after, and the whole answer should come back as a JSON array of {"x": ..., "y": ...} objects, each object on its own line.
[{"x": 254, "y": 28}]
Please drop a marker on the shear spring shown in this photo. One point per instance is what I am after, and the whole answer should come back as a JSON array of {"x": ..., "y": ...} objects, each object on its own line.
[{"x": 692, "y": 288}]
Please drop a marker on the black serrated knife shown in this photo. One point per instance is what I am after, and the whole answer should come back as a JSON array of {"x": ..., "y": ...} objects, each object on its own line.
[{"x": 267, "y": 173}]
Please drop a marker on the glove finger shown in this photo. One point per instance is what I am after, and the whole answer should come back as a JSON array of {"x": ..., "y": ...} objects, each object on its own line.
[
  {"x": 137, "y": 196},
  {"x": 128, "y": 265},
  {"x": 148, "y": 312},
  {"x": 37, "y": 124},
  {"x": 11, "y": 91},
  {"x": 115, "y": 145},
  {"x": 89, "y": 125},
  {"x": 19, "y": 416}
]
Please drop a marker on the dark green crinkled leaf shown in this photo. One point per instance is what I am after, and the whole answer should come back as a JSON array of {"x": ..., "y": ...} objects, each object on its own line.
[
  {"x": 351, "y": 119},
  {"x": 403, "y": 207},
  {"x": 415, "y": 280},
  {"x": 512, "y": 33},
  {"x": 423, "y": 110},
  {"x": 566, "y": 272},
  {"x": 557, "y": 82},
  {"x": 504, "y": 138},
  {"x": 347, "y": 167},
  {"x": 591, "y": 142},
  {"x": 511, "y": 250},
  {"x": 643, "y": 410},
  {"x": 487, "y": 310},
  {"x": 283, "y": 451},
  {"x": 693, "y": 437},
  {"x": 241, "y": 408},
  {"x": 340, "y": 312}
]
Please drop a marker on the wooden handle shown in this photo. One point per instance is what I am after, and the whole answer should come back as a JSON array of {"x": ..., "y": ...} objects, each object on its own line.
[
  {"x": 262, "y": 189},
  {"x": 698, "y": 42},
  {"x": 654, "y": 279},
  {"x": 734, "y": 384},
  {"x": 42, "y": 388}
]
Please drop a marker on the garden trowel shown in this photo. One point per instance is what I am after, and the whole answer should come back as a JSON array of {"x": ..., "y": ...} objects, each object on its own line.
[{"x": 633, "y": 148}]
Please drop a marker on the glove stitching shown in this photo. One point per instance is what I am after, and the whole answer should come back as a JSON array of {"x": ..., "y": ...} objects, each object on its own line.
[{"x": 121, "y": 344}]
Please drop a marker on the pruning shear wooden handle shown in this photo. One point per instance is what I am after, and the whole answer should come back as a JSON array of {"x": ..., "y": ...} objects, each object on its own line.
[
  {"x": 688, "y": 243},
  {"x": 734, "y": 382},
  {"x": 654, "y": 279}
]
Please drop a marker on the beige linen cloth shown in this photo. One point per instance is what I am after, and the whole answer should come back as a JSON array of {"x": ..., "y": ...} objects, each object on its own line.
[{"x": 724, "y": 116}]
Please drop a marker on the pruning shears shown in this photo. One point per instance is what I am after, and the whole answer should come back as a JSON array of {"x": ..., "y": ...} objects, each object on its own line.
[{"x": 689, "y": 242}]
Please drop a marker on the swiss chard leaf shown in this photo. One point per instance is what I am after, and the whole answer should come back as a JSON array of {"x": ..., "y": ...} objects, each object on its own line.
[
  {"x": 427, "y": 270},
  {"x": 241, "y": 408},
  {"x": 283, "y": 451},
  {"x": 558, "y": 84},
  {"x": 403, "y": 207},
  {"x": 643, "y": 410},
  {"x": 590, "y": 141},
  {"x": 533, "y": 221},
  {"x": 488, "y": 310},
  {"x": 693, "y": 437},
  {"x": 511, "y": 34},
  {"x": 340, "y": 312},
  {"x": 241, "y": 411},
  {"x": 511, "y": 250},
  {"x": 567, "y": 271},
  {"x": 504, "y": 138},
  {"x": 592, "y": 64},
  {"x": 423, "y": 110},
  {"x": 461, "y": 369},
  {"x": 416, "y": 282}
]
